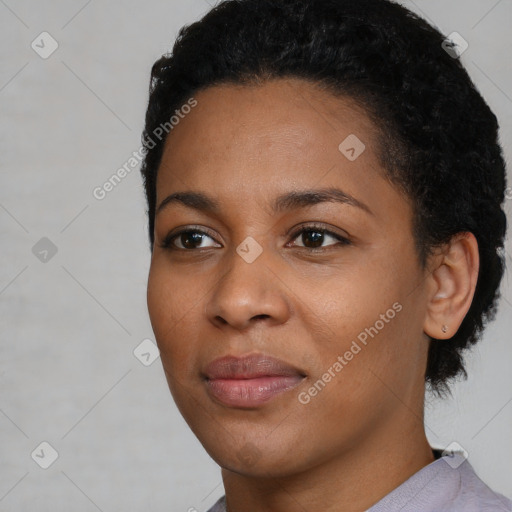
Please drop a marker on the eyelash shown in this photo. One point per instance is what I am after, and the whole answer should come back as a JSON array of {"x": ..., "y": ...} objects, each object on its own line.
[{"x": 168, "y": 241}]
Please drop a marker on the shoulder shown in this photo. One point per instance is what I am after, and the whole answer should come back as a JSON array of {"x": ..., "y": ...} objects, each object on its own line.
[
  {"x": 448, "y": 484},
  {"x": 477, "y": 495}
]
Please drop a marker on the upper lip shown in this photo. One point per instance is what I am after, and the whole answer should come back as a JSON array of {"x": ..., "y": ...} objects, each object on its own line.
[{"x": 249, "y": 367}]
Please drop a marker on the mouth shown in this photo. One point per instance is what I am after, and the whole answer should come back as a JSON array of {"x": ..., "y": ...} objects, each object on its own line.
[{"x": 249, "y": 381}]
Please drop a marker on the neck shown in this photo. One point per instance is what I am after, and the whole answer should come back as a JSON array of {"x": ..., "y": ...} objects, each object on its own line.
[{"x": 352, "y": 480}]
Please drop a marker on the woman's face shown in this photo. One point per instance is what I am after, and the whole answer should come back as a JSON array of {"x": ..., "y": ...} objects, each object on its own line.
[{"x": 342, "y": 310}]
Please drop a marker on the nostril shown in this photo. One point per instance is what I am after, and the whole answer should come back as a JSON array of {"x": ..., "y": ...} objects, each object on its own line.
[{"x": 261, "y": 316}]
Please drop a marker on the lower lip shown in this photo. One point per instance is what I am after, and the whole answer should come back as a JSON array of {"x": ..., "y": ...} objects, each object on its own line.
[{"x": 250, "y": 392}]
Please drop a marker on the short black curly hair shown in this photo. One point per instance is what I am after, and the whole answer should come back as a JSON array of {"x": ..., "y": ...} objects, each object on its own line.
[{"x": 438, "y": 137}]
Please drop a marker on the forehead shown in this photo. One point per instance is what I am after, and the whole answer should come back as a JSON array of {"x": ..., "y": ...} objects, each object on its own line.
[
  {"x": 263, "y": 140},
  {"x": 279, "y": 112}
]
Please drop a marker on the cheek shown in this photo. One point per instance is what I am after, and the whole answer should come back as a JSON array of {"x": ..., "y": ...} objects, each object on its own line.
[
  {"x": 172, "y": 307},
  {"x": 367, "y": 333},
  {"x": 354, "y": 383},
  {"x": 350, "y": 301}
]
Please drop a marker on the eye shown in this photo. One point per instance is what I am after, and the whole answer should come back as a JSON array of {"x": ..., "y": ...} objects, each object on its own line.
[
  {"x": 187, "y": 239},
  {"x": 314, "y": 236}
]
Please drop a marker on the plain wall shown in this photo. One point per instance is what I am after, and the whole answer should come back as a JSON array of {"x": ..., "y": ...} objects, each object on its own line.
[{"x": 69, "y": 326}]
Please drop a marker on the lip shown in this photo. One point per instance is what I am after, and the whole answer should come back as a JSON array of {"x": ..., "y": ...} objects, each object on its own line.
[{"x": 249, "y": 381}]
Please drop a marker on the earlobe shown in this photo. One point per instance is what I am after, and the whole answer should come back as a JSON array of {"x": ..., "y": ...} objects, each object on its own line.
[{"x": 452, "y": 284}]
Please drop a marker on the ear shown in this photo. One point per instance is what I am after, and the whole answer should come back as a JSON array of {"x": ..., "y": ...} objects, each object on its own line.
[{"x": 451, "y": 286}]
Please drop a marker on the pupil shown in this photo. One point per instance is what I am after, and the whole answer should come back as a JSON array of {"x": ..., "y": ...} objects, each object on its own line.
[
  {"x": 187, "y": 236},
  {"x": 316, "y": 237}
]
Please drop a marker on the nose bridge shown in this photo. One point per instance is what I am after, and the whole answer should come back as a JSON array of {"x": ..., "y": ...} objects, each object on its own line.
[{"x": 248, "y": 289}]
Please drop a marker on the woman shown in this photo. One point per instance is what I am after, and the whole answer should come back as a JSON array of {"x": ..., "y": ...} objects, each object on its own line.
[{"x": 324, "y": 189}]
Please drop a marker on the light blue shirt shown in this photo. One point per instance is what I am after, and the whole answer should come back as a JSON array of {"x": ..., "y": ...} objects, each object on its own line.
[{"x": 449, "y": 484}]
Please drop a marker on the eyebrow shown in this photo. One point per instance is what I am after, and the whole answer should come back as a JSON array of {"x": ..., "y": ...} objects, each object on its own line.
[{"x": 289, "y": 201}]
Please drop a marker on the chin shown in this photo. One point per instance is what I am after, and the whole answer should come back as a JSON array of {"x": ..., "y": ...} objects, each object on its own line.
[{"x": 257, "y": 458}]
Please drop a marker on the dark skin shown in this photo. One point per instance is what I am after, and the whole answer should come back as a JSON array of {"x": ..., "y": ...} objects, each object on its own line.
[{"x": 362, "y": 435}]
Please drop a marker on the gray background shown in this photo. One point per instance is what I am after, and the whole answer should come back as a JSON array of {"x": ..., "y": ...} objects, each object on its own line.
[{"x": 68, "y": 375}]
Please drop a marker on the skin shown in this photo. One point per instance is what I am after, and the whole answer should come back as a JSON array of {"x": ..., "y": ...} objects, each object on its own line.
[{"x": 362, "y": 435}]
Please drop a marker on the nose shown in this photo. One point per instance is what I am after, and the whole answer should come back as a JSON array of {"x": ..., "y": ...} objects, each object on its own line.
[{"x": 248, "y": 293}]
